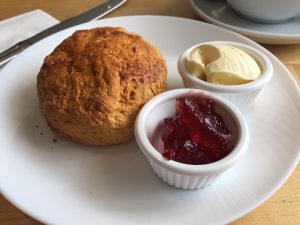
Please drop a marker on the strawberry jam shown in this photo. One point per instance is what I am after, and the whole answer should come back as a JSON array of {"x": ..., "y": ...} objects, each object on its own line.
[{"x": 197, "y": 133}]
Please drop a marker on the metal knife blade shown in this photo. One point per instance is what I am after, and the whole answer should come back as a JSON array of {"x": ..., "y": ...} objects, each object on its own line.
[{"x": 92, "y": 14}]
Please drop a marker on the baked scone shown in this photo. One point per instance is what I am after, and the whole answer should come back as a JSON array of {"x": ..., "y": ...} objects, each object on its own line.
[{"x": 93, "y": 84}]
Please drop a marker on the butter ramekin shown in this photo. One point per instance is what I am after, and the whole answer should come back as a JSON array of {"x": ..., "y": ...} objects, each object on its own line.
[
  {"x": 242, "y": 95},
  {"x": 148, "y": 131}
]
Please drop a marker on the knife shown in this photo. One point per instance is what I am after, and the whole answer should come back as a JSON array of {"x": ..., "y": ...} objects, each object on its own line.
[{"x": 92, "y": 14}]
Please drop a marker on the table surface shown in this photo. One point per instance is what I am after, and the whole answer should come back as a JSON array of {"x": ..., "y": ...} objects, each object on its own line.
[{"x": 282, "y": 208}]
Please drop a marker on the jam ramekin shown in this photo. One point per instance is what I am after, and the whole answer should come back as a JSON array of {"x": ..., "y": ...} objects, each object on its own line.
[
  {"x": 243, "y": 95},
  {"x": 148, "y": 130}
]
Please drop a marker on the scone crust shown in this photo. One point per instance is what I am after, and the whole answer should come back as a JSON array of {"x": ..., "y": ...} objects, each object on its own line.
[{"x": 91, "y": 87}]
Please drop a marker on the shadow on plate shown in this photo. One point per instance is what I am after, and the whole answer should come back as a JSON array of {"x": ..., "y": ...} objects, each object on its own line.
[{"x": 112, "y": 177}]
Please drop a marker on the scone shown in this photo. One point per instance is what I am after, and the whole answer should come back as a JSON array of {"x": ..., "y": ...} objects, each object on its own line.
[{"x": 93, "y": 84}]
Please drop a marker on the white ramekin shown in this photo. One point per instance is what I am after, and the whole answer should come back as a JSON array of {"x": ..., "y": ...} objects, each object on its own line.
[
  {"x": 148, "y": 130},
  {"x": 243, "y": 95}
]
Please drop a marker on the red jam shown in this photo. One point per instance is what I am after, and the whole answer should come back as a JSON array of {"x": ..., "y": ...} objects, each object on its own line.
[{"x": 197, "y": 133}]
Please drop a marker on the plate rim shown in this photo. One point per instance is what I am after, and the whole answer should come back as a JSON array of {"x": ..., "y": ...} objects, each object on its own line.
[
  {"x": 228, "y": 219},
  {"x": 285, "y": 38}
]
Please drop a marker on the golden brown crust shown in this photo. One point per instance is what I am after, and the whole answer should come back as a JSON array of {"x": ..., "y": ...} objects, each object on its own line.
[{"x": 93, "y": 84}]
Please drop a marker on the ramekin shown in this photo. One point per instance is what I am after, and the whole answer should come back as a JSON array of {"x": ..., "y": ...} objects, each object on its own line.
[
  {"x": 148, "y": 130},
  {"x": 243, "y": 95}
]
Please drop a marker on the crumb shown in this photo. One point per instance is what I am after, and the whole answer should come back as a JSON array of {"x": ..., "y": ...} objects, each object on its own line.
[
  {"x": 41, "y": 133},
  {"x": 54, "y": 140},
  {"x": 36, "y": 126}
]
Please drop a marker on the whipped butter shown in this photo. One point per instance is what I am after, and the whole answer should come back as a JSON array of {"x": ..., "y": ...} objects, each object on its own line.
[{"x": 222, "y": 64}]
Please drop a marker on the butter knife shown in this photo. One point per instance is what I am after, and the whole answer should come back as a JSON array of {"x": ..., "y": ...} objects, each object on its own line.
[{"x": 92, "y": 14}]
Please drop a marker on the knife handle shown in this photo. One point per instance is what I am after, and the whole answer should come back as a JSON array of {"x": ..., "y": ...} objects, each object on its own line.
[{"x": 12, "y": 52}]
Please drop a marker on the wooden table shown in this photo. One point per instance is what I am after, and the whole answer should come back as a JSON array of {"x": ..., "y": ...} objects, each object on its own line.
[{"x": 282, "y": 208}]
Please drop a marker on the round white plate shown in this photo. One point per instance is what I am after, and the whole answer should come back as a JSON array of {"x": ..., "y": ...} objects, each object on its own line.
[
  {"x": 60, "y": 182},
  {"x": 219, "y": 13}
]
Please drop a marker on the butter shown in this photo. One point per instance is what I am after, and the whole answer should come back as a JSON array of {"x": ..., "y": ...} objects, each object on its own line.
[{"x": 222, "y": 64}]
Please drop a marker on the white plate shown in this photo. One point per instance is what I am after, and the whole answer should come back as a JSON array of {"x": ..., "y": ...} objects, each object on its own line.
[
  {"x": 67, "y": 183},
  {"x": 219, "y": 13}
]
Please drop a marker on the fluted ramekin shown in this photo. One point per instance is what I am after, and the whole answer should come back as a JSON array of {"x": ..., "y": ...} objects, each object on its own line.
[
  {"x": 243, "y": 95},
  {"x": 148, "y": 131}
]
